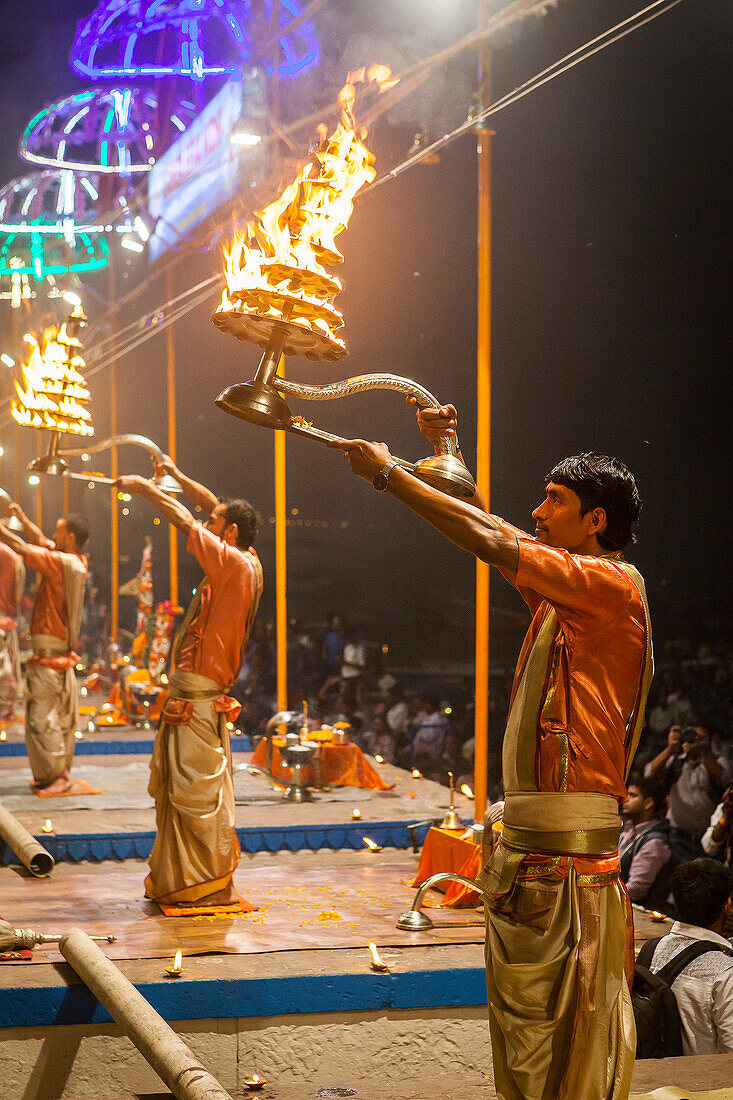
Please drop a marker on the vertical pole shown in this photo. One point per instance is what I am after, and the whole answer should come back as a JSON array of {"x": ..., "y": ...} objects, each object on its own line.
[
  {"x": 281, "y": 599},
  {"x": 39, "y": 487},
  {"x": 67, "y": 495},
  {"x": 281, "y": 517},
  {"x": 16, "y": 461},
  {"x": 114, "y": 514},
  {"x": 171, "y": 356},
  {"x": 483, "y": 430}
]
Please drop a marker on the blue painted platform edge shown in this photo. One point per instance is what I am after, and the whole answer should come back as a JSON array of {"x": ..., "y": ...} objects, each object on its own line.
[
  {"x": 254, "y": 997},
  {"x": 97, "y": 847},
  {"x": 114, "y": 748}
]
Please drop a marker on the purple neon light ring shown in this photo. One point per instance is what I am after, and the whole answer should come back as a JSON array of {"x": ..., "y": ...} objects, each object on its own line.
[{"x": 134, "y": 39}]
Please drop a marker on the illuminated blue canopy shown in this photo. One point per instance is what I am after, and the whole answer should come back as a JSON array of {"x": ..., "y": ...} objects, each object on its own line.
[{"x": 194, "y": 38}]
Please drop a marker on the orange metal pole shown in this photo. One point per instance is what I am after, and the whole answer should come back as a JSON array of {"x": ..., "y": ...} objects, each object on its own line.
[
  {"x": 171, "y": 354},
  {"x": 115, "y": 519},
  {"x": 67, "y": 495},
  {"x": 16, "y": 462},
  {"x": 39, "y": 488},
  {"x": 281, "y": 518},
  {"x": 281, "y": 597},
  {"x": 483, "y": 439}
]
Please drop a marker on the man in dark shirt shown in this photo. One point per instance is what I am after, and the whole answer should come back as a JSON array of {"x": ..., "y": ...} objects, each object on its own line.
[{"x": 644, "y": 849}]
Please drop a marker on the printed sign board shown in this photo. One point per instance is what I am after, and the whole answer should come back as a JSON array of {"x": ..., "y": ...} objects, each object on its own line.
[{"x": 197, "y": 174}]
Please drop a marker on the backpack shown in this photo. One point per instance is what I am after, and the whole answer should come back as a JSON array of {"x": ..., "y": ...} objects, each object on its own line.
[{"x": 658, "y": 1029}]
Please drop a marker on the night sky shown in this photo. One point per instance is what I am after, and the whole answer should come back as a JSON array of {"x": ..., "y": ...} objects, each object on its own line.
[{"x": 610, "y": 204}]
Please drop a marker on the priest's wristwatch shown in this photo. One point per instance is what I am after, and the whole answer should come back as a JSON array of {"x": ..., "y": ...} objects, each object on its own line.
[{"x": 380, "y": 480}]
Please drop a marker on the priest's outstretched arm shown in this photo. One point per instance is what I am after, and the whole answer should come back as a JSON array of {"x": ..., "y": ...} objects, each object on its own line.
[
  {"x": 170, "y": 508},
  {"x": 468, "y": 526},
  {"x": 196, "y": 492}
]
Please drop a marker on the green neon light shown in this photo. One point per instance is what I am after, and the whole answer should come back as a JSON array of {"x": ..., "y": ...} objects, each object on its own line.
[{"x": 93, "y": 264}]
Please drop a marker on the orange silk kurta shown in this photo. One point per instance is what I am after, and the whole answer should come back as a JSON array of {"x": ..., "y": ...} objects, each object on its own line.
[
  {"x": 230, "y": 592},
  {"x": 8, "y": 582},
  {"x": 50, "y": 615},
  {"x": 594, "y": 673}
]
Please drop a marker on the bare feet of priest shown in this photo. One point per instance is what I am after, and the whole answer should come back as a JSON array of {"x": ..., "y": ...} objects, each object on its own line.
[{"x": 58, "y": 785}]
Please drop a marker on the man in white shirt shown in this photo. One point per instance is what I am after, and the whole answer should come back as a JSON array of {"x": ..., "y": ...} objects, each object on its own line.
[
  {"x": 718, "y": 840},
  {"x": 704, "y": 990},
  {"x": 396, "y": 710}
]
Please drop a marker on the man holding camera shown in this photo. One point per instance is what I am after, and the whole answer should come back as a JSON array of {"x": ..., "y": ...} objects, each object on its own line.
[{"x": 694, "y": 780}]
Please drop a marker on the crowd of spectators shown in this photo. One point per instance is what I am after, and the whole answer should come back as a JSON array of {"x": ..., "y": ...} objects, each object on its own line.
[{"x": 341, "y": 677}]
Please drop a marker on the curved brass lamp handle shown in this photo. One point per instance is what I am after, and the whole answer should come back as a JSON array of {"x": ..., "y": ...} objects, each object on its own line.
[
  {"x": 415, "y": 921},
  {"x": 361, "y": 383},
  {"x": 54, "y": 461},
  {"x": 115, "y": 441}
]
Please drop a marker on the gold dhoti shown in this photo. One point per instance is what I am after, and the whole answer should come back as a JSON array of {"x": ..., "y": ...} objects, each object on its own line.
[
  {"x": 51, "y": 710},
  {"x": 9, "y": 670},
  {"x": 560, "y": 1013},
  {"x": 196, "y": 849},
  {"x": 559, "y": 932}
]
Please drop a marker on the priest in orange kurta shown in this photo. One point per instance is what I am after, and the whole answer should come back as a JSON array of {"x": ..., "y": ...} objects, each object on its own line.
[
  {"x": 559, "y": 937},
  {"x": 196, "y": 849},
  {"x": 51, "y": 697},
  {"x": 12, "y": 580}
]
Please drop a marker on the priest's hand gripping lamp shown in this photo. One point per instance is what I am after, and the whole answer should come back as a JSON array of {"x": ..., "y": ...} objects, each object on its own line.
[
  {"x": 280, "y": 296},
  {"x": 52, "y": 393}
]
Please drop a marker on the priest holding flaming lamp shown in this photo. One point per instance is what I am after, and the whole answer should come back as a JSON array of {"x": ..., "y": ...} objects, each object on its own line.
[
  {"x": 559, "y": 931},
  {"x": 196, "y": 849}
]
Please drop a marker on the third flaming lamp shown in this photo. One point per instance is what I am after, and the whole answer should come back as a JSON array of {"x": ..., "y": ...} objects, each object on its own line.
[{"x": 280, "y": 296}]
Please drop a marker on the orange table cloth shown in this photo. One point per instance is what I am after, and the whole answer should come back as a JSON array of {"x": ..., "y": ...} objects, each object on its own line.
[
  {"x": 341, "y": 766},
  {"x": 444, "y": 850},
  {"x": 127, "y": 704}
]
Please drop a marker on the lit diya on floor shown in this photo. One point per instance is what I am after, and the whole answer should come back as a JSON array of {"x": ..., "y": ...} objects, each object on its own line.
[{"x": 280, "y": 296}]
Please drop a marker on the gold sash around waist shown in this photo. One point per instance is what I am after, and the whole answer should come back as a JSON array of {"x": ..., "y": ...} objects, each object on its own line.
[
  {"x": 192, "y": 687},
  {"x": 573, "y": 823},
  {"x": 48, "y": 647}
]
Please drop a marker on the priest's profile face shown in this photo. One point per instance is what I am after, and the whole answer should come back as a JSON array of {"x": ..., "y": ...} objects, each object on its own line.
[
  {"x": 559, "y": 520},
  {"x": 62, "y": 537},
  {"x": 216, "y": 522}
]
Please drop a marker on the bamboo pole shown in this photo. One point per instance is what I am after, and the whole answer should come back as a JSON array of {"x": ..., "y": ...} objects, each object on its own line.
[
  {"x": 483, "y": 433},
  {"x": 159, "y": 1045},
  {"x": 30, "y": 853},
  {"x": 171, "y": 377}
]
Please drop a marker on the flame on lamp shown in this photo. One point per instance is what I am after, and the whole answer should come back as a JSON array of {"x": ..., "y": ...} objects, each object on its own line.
[
  {"x": 51, "y": 391},
  {"x": 175, "y": 970},
  {"x": 275, "y": 269}
]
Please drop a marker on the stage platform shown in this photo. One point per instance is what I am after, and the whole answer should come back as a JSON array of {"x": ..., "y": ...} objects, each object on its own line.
[
  {"x": 287, "y": 990},
  {"x": 671, "y": 1079},
  {"x": 119, "y": 822}
]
